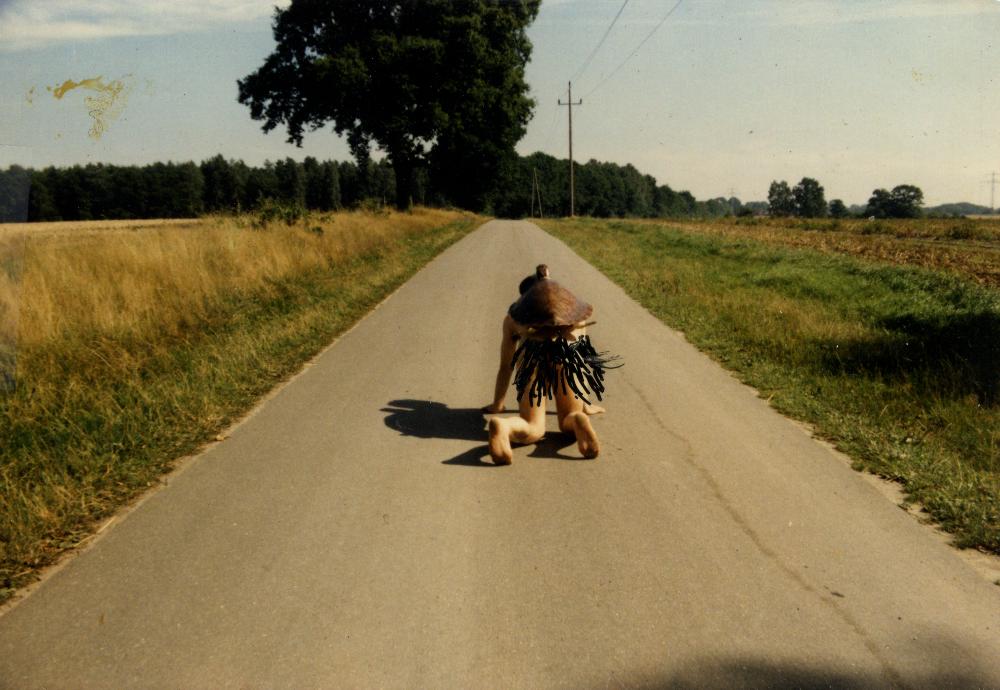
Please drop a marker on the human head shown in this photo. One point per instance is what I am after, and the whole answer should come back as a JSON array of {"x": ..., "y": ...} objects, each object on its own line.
[{"x": 541, "y": 273}]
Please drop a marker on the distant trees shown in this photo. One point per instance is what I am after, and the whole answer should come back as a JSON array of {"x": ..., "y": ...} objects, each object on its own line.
[
  {"x": 183, "y": 190},
  {"x": 223, "y": 181},
  {"x": 96, "y": 191},
  {"x": 904, "y": 201},
  {"x": 780, "y": 200},
  {"x": 15, "y": 186},
  {"x": 170, "y": 190},
  {"x": 806, "y": 200},
  {"x": 291, "y": 183},
  {"x": 880, "y": 204},
  {"x": 322, "y": 182},
  {"x": 218, "y": 185},
  {"x": 809, "y": 199},
  {"x": 670, "y": 203},
  {"x": 838, "y": 209},
  {"x": 603, "y": 190}
]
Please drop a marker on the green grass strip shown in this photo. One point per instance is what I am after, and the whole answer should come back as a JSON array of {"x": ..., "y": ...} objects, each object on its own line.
[{"x": 899, "y": 367}]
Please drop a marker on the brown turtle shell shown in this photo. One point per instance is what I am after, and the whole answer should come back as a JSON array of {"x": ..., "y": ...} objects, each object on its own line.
[{"x": 547, "y": 303}]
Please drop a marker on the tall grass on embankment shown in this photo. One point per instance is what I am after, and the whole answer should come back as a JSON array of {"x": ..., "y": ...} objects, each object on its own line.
[
  {"x": 135, "y": 346},
  {"x": 898, "y": 366}
]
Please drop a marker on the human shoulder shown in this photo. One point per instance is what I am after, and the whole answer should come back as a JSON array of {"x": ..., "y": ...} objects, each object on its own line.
[{"x": 512, "y": 328}]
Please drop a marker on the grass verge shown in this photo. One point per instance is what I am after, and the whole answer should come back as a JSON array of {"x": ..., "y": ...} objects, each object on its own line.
[
  {"x": 898, "y": 366},
  {"x": 137, "y": 346}
]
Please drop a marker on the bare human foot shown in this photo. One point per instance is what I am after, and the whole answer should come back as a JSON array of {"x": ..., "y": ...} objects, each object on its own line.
[
  {"x": 586, "y": 437},
  {"x": 592, "y": 409},
  {"x": 500, "y": 449}
]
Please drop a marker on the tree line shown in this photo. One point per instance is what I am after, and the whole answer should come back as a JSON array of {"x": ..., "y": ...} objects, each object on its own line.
[
  {"x": 182, "y": 190},
  {"x": 807, "y": 200},
  {"x": 523, "y": 185},
  {"x": 603, "y": 190}
]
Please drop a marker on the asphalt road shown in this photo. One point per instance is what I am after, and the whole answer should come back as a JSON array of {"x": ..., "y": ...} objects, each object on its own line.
[{"x": 353, "y": 532}]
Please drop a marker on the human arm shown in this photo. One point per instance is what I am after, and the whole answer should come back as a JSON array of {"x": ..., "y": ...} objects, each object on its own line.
[{"x": 506, "y": 369}]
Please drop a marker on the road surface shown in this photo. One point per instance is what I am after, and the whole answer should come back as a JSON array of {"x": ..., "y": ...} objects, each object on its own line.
[{"x": 352, "y": 532}]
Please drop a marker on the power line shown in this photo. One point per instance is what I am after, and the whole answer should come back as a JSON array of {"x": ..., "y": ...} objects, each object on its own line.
[
  {"x": 586, "y": 63},
  {"x": 636, "y": 50},
  {"x": 536, "y": 193},
  {"x": 552, "y": 128}
]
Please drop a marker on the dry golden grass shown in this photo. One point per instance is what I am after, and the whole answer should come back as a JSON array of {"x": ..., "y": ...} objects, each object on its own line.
[
  {"x": 11, "y": 265},
  {"x": 127, "y": 279},
  {"x": 134, "y": 345}
]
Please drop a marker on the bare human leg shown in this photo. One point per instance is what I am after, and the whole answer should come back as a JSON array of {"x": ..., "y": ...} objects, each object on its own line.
[
  {"x": 528, "y": 427},
  {"x": 573, "y": 419}
]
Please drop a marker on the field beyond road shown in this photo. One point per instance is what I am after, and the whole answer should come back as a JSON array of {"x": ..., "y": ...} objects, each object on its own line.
[
  {"x": 884, "y": 336},
  {"x": 963, "y": 246},
  {"x": 135, "y": 342}
]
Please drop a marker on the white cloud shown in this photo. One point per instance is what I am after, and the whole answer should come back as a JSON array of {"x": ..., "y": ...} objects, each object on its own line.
[{"x": 26, "y": 24}]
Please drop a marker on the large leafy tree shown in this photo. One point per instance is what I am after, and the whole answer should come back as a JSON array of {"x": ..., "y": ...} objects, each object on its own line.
[
  {"x": 439, "y": 80},
  {"x": 838, "y": 209},
  {"x": 780, "y": 201},
  {"x": 907, "y": 200},
  {"x": 903, "y": 201},
  {"x": 810, "y": 201}
]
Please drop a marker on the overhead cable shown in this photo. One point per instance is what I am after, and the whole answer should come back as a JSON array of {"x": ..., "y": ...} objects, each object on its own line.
[
  {"x": 636, "y": 49},
  {"x": 586, "y": 63}
]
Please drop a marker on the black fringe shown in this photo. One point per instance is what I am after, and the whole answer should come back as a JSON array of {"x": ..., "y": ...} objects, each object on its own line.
[{"x": 545, "y": 365}]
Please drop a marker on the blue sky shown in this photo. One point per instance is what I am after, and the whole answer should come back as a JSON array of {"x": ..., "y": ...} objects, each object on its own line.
[{"x": 726, "y": 95}]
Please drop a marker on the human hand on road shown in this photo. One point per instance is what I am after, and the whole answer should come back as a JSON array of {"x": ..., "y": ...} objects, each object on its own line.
[{"x": 493, "y": 408}]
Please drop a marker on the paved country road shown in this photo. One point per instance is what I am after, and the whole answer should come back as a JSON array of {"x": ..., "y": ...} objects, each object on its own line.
[{"x": 353, "y": 532}]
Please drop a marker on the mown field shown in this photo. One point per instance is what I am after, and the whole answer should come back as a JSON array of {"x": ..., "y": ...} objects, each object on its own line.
[
  {"x": 963, "y": 246},
  {"x": 882, "y": 335},
  {"x": 129, "y": 346}
]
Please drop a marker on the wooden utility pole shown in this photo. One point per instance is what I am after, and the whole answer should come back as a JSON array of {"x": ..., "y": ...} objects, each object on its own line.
[
  {"x": 538, "y": 191},
  {"x": 993, "y": 189},
  {"x": 570, "y": 103},
  {"x": 533, "y": 183}
]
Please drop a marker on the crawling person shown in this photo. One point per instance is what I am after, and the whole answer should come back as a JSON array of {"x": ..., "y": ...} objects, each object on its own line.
[{"x": 545, "y": 339}]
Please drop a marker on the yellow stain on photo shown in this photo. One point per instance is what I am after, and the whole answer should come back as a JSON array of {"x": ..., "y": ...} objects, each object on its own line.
[{"x": 104, "y": 105}]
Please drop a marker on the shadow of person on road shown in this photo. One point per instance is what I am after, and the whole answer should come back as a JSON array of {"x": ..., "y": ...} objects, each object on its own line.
[
  {"x": 429, "y": 419},
  {"x": 948, "y": 663}
]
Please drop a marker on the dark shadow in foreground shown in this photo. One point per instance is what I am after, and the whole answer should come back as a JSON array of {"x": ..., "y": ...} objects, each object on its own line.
[
  {"x": 429, "y": 419},
  {"x": 730, "y": 673}
]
